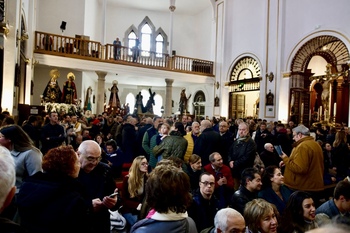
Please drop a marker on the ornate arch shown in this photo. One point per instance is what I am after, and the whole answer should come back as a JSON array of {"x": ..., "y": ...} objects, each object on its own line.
[{"x": 331, "y": 48}]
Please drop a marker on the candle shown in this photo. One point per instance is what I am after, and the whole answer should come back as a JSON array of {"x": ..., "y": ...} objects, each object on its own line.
[
  {"x": 321, "y": 111},
  {"x": 335, "y": 109},
  {"x": 302, "y": 109}
]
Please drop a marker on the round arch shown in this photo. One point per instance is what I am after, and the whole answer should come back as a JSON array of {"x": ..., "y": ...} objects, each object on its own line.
[{"x": 333, "y": 48}]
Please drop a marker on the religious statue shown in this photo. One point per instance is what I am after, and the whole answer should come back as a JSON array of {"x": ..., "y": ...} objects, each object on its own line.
[
  {"x": 216, "y": 101},
  {"x": 325, "y": 94},
  {"x": 150, "y": 102},
  {"x": 52, "y": 92},
  {"x": 269, "y": 98},
  {"x": 87, "y": 103},
  {"x": 69, "y": 93},
  {"x": 183, "y": 101},
  {"x": 139, "y": 104},
  {"x": 114, "y": 101}
]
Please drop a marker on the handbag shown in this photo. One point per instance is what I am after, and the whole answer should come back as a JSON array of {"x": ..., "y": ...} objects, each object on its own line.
[{"x": 118, "y": 222}]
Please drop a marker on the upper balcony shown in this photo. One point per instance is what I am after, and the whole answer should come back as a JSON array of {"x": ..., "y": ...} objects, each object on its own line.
[{"x": 80, "y": 47}]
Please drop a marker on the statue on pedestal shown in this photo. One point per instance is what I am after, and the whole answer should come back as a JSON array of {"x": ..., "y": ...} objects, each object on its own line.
[
  {"x": 183, "y": 101},
  {"x": 52, "y": 92}
]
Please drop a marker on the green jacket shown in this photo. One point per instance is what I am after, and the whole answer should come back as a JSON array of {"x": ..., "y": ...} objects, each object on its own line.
[{"x": 173, "y": 145}]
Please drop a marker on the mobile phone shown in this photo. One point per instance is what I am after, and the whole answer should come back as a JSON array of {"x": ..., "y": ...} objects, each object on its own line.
[
  {"x": 278, "y": 149},
  {"x": 113, "y": 195}
]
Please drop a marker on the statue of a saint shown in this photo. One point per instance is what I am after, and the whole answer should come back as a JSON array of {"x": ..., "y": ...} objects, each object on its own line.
[
  {"x": 114, "y": 101},
  {"x": 139, "y": 104},
  {"x": 183, "y": 101},
  {"x": 87, "y": 103},
  {"x": 52, "y": 92},
  {"x": 69, "y": 93}
]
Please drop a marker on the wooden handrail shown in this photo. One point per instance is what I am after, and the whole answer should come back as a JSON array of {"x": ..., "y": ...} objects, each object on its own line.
[{"x": 78, "y": 47}]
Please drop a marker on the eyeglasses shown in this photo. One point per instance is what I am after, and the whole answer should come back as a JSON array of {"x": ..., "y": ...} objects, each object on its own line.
[
  {"x": 206, "y": 183},
  {"x": 94, "y": 159}
]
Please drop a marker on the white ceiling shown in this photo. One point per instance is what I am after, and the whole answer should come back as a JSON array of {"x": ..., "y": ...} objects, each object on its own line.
[{"x": 188, "y": 7}]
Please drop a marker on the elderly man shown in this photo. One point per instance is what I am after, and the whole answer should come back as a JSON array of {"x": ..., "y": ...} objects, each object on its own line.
[
  {"x": 207, "y": 142},
  {"x": 8, "y": 190},
  {"x": 227, "y": 220},
  {"x": 269, "y": 156},
  {"x": 224, "y": 183},
  {"x": 99, "y": 184},
  {"x": 304, "y": 167},
  {"x": 242, "y": 153},
  {"x": 191, "y": 138},
  {"x": 226, "y": 140}
]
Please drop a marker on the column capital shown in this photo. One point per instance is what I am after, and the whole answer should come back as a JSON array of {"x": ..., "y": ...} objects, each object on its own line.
[
  {"x": 169, "y": 82},
  {"x": 101, "y": 75}
]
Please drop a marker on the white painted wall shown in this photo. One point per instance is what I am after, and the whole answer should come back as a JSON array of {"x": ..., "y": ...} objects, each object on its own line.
[{"x": 51, "y": 13}]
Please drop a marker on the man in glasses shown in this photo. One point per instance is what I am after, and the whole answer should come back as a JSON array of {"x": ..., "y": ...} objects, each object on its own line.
[
  {"x": 99, "y": 184},
  {"x": 205, "y": 204}
]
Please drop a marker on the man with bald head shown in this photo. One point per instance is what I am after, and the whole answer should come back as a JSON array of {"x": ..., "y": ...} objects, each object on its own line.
[
  {"x": 227, "y": 220},
  {"x": 207, "y": 142},
  {"x": 98, "y": 183}
]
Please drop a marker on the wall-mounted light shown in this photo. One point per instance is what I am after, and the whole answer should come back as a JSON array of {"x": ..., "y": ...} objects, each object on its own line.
[
  {"x": 172, "y": 6},
  {"x": 217, "y": 84}
]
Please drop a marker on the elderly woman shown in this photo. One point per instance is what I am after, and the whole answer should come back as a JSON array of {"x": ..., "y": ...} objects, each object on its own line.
[
  {"x": 261, "y": 216},
  {"x": 52, "y": 201}
]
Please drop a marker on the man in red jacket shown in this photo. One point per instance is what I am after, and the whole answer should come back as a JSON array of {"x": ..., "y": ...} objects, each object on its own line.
[{"x": 224, "y": 183}]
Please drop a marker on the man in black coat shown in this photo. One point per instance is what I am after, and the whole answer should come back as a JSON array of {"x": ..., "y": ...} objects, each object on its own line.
[
  {"x": 98, "y": 183},
  {"x": 242, "y": 153},
  {"x": 52, "y": 134},
  {"x": 207, "y": 142},
  {"x": 251, "y": 185}
]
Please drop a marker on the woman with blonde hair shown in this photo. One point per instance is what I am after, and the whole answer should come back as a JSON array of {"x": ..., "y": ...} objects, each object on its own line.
[
  {"x": 133, "y": 189},
  {"x": 261, "y": 216}
]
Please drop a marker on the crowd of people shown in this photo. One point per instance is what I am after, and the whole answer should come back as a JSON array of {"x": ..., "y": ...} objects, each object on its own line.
[{"x": 62, "y": 173}]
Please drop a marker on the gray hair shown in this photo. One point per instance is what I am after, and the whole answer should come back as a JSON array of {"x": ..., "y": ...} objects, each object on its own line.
[
  {"x": 211, "y": 156},
  {"x": 220, "y": 220},
  {"x": 7, "y": 174},
  {"x": 87, "y": 146},
  {"x": 301, "y": 129},
  {"x": 267, "y": 145}
]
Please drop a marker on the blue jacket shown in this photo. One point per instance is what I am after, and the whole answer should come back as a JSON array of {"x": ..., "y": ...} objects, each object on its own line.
[{"x": 329, "y": 208}]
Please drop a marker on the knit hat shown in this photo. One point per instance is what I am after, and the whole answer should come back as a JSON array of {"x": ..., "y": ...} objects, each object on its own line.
[{"x": 9, "y": 132}]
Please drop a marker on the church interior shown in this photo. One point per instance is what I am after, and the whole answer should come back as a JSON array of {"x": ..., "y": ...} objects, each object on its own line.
[{"x": 273, "y": 60}]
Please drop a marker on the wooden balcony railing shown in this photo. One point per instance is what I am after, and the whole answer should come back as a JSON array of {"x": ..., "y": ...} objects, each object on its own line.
[{"x": 83, "y": 48}]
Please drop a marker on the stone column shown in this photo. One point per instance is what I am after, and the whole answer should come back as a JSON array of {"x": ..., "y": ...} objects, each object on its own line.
[
  {"x": 100, "y": 91},
  {"x": 168, "y": 97}
]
